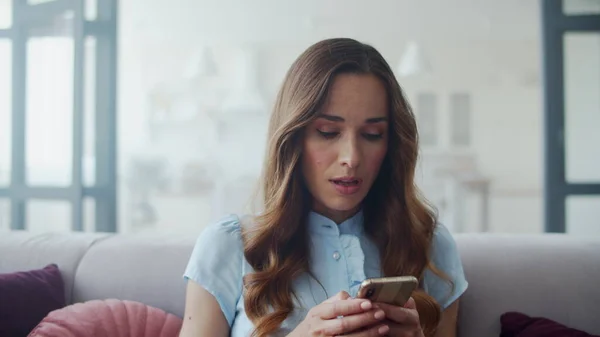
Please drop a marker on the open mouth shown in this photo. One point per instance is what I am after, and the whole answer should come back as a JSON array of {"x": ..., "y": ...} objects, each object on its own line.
[
  {"x": 346, "y": 185},
  {"x": 346, "y": 182}
]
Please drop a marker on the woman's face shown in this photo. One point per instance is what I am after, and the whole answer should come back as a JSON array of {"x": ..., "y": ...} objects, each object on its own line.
[{"x": 345, "y": 146}]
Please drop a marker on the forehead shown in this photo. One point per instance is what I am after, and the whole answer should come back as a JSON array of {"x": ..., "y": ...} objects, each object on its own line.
[{"x": 356, "y": 96}]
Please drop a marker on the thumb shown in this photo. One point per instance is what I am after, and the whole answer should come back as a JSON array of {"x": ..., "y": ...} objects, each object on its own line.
[
  {"x": 410, "y": 304},
  {"x": 342, "y": 295}
]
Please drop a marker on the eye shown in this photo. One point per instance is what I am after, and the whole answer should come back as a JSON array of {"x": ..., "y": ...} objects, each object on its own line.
[
  {"x": 328, "y": 135},
  {"x": 373, "y": 136}
]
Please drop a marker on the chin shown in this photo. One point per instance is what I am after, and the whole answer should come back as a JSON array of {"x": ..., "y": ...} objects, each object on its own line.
[{"x": 343, "y": 204}]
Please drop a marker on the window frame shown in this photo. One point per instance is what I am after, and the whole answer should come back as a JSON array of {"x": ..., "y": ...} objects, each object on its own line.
[{"x": 30, "y": 20}]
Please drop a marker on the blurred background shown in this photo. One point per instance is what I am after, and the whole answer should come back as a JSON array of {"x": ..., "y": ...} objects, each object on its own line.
[{"x": 150, "y": 116}]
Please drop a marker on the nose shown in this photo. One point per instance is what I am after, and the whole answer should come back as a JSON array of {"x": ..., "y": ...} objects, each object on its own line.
[{"x": 349, "y": 154}]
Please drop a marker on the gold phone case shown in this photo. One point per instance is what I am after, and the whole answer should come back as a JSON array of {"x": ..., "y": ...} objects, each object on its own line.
[{"x": 391, "y": 290}]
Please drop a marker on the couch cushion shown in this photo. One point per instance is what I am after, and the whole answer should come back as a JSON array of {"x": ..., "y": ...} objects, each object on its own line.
[
  {"x": 108, "y": 318},
  {"x": 146, "y": 268},
  {"x": 21, "y": 250},
  {"x": 553, "y": 276},
  {"x": 26, "y": 297}
]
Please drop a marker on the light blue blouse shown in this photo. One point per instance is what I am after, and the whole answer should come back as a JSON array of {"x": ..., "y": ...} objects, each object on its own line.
[{"x": 342, "y": 257}]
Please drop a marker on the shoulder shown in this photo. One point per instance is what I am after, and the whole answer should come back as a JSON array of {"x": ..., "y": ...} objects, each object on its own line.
[
  {"x": 444, "y": 252},
  {"x": 228, "y": 229},
  {"x": 443, "y": 241},
  {"x": 445, "y": 257},
  {"x": 220, "y": 241},
  {"x": 217, "y": 263}
]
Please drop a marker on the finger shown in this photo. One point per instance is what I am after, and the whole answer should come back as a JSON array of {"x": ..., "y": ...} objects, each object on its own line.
[
  {"x": 342, "y": 295},
  {"x": 410, "y": 304},
  {"x": 377, "y": 330},
  {"x": 402, "y": 330},
  {"x": 353, "y": 323},
  {"x": 400, "y": 315},
  {"x": 343, "y": 308}
]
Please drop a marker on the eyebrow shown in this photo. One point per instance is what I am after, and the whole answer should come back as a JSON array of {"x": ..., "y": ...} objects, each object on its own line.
[{"x": 334, "y": 118}]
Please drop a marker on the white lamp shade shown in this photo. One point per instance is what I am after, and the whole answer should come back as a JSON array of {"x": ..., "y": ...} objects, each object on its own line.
[
  {"x": 201, "y": 64},
  {"x": 244, "y": 95},
  {"x": 413, "y": 61}
]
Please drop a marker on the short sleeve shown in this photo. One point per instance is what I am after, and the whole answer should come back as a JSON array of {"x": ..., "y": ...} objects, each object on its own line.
[
  {"x": 216, "y": 263},
  {"x": 445, "y": 258}
]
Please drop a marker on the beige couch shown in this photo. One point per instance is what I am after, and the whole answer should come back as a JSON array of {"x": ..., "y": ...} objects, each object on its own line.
[{"x": 553, "y": 276}]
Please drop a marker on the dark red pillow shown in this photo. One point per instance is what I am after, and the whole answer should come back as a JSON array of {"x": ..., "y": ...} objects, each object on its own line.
[
  {"x": 516, "y": 324},
  {"x": 26, "y": 297}
]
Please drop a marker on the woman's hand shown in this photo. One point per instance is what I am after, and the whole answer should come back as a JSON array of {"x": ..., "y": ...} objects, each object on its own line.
[
  {"x": 341, "y": 315},
  {"x": 403, "y": 321}
]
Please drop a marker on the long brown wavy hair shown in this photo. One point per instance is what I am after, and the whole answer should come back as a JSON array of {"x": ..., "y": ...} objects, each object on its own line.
[{"x": 396, "y": 216}]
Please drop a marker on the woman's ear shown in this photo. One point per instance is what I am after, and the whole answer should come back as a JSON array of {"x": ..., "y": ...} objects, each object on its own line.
[{"x": 429, "y": 311}]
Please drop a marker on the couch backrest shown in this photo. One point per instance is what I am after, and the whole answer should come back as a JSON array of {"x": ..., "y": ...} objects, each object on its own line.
[
  {"x": 553, "y": 276},
  {"x": 144, "y": 268},
  {"x": 21, "y": 251}
]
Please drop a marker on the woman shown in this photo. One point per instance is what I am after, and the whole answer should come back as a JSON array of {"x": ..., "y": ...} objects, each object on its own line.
[{"x": 340, "y": 205}]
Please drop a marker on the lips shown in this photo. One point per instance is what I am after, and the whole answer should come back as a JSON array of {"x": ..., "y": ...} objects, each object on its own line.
[
  {"x": 346, "y": 185},
  {"x": 345, "y": 182}
]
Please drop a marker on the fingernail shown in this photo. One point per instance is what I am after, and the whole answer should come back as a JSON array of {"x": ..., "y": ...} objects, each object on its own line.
[
  {"x": 383, "y": 330},
  {"x": 366, "y": 305},
  {"x": 379, "y": 314}
]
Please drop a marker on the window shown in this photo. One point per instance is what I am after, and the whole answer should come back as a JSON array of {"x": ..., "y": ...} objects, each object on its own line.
[
  {"x": 57, "y": 147},
  {"x": 427, "y": 119},
  {"x": 5, "y": 110},
  {"x": 460, "y": 119}
]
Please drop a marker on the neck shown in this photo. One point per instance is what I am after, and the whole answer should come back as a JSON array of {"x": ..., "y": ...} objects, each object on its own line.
[{"x": 336, "y": 216}]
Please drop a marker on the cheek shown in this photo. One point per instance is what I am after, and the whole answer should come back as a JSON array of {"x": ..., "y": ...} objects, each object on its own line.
[
  {"x": 376, "y": 157},
  {"x": 319, "y": 159},
  {"x": 314, "y": 161},
  {"x": 317, "y": 156}
]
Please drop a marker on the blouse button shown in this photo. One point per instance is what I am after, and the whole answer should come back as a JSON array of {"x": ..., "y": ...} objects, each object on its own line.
[{"x": 336, "y": 255}]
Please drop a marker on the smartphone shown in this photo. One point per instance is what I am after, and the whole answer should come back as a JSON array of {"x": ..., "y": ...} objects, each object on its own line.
[{"x": 391, "y": 290}]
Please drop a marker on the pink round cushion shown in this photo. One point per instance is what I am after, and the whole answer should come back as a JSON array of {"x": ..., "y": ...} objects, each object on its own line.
[{"x": 108, "y": 318}]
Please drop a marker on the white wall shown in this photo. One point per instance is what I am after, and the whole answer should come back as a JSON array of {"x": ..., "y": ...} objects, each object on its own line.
[{"x": 489, "y": 49}]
